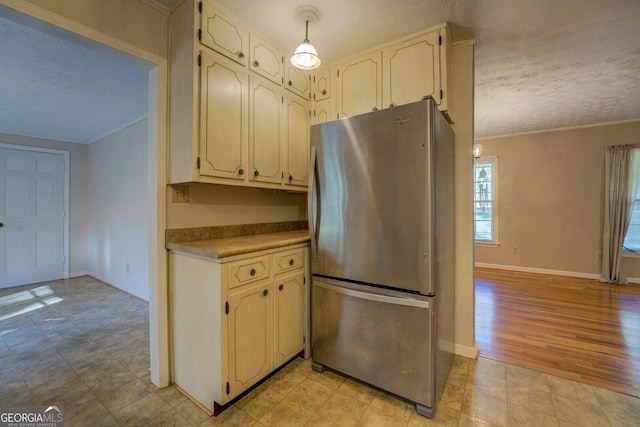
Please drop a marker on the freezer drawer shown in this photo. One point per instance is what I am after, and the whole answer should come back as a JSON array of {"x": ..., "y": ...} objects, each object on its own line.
[{"x": 382, "y": 337}]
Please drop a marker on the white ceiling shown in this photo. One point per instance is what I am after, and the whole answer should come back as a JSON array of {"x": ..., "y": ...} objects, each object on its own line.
[{"x": 540, "y": 64}]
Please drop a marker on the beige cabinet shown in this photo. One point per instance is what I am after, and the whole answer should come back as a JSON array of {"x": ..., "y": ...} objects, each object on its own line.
[
  {"x": 323, "y": 111},
  {"x": 322, "y": 83},
  {"x": 289, "y": 302},
  {"x": 250, "y": 336},
  {"x": 296, "y": 80},
  {"x": 266, "y": 60},
  {"x": 223, "y": 117},
  {"x": 225, "y": 126},
  {"x": 297, "y": 142},
  {"x": 266, "y": 140},
  {"x": 223, "y": 32},
  {"x": 359, "y": 85},
  {"x": 235, "y": 320},
  {"x": 412, "y": 69}
]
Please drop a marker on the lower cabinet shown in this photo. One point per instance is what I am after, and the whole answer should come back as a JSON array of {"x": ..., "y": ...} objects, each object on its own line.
[{"x": 235, "y": 320}]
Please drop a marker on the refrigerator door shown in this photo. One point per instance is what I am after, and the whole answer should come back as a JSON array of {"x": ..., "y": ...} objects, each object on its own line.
[
  {"x": 372, "y": 196},
  {"x": 382, "y": 337}
]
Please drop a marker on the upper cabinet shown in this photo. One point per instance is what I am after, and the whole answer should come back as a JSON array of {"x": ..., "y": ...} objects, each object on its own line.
[
  {"x": 266, "y": 60},
  {"x": 415, "y": 68},
  {"x": 222, "y": 32},
  {"x": 359, "y": 85},
  {"x": 223, "y": 117},
  {"x": 296, "y": 80},
  {"x": 297, "y": 137},
  {"x": 230, "y": 122},
  {"x": 322, "y": 87},
  {"x": 397, "y": 73}
]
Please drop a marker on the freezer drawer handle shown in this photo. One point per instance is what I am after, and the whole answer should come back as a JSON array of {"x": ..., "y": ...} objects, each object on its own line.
[{"x": 375, "y": 297}]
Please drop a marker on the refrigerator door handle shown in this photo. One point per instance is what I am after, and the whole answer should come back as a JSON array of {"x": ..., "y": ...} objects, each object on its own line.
[{"x": 311, "y": 205}]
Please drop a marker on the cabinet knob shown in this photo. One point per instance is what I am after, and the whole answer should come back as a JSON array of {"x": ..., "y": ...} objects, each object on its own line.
[
  {"x": 374, "y": 109},
  {"x": 256, "y": 64},
  {"x": 281, "y": 287},
  {"x": 253, "y": 272},
  {"x": 291, "y": 261},
  {"x": 290, "y": 83},
  {"x": 324, "y": 91},
  {"x": 1, "y": 224},
  {"x": 265, "y": 292},
  {"x": 393, "y": 104},
  {"x": 290, "y": 177},
  {"x": 256, "y": 173},
  {"x": 240, "y": 171},
  {"x": 240, "y": 54}
]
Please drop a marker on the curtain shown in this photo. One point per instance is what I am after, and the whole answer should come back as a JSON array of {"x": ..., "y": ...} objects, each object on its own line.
[{"x": 622, "y": 176}]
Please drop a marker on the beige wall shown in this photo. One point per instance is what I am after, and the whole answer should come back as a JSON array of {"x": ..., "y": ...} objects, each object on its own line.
[
  {"x": 132, "y": 21},
  {"x": 462, "y": 75},
  {"x": 550, "y": 199},
  {"x": 211, "y": 205}
]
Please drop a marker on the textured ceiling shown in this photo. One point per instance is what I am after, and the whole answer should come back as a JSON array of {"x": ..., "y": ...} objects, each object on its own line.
[
  {"x": 540, "y": 64},
  {"x": 58, "y": 86}
]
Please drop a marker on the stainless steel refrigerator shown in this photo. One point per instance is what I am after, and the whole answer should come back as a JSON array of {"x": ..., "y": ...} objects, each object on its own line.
[{"x": 381, "y": 216}]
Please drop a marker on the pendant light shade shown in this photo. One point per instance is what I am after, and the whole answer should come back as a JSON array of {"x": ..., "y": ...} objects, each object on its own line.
[{"x": 305, "y": 56}]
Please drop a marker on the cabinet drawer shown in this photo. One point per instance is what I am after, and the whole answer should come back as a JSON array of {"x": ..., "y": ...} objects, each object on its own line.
[
  {"x": 247, "y": 271},
  {"x": 288, "y": 261}
]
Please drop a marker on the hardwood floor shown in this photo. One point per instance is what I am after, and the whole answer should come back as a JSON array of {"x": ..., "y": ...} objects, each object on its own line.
[{"x": 579, "y": 329}]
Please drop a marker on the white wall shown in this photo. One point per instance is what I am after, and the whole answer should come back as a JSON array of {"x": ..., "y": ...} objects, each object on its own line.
[
  {"x": 78, "y": 191},
  {"x": 117, "y": 224}
]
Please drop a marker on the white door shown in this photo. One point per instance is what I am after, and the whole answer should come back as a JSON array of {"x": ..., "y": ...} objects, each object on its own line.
[{"x": 32, "y": 213}]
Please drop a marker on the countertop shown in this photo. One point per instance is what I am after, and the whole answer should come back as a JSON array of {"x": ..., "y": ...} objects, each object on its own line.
[{"x": 238, "y": 245}]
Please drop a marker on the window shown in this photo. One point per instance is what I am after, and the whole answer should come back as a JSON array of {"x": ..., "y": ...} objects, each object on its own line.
[
  {"x": 632, "y": 238},
  {"x": 485, "y": 212}
]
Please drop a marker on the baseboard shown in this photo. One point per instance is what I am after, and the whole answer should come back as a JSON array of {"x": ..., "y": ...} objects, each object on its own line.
[
  {"x": 466, "y": 351},
  {"x": 547, "y": 271},
  {"x": 115, "y": 285}
]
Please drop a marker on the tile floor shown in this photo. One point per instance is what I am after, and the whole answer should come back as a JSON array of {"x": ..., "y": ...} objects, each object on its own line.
[{"x": 84, "y": 345}]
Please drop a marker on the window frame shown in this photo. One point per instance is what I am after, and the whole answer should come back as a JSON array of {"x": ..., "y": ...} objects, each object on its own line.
[
  {"x": 633, "y": 252},
  {"x": 494, "y": 191}
]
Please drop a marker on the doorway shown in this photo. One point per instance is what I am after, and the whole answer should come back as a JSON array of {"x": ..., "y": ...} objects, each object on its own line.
[
  {"x": 34, "y": 221},
  {"x": 155, "y": 176}
]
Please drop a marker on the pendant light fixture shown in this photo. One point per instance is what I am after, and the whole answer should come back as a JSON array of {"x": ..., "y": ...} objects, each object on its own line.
[
  {"x": 477, "y": 151},
  {"x": 306, "y": 56}
]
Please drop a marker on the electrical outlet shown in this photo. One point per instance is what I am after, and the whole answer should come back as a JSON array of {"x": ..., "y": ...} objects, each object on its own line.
[
  {"x": 515, "y": 249},
  {"x": 180, "y": 194},
  {"x": 599, "y": 256}
]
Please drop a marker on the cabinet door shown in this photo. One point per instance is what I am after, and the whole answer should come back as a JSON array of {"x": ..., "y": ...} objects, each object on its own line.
[
  {"x": 297, "y": 136},
  {"x": 412, "y": 70},
  {"x": 265, "y": 131},
  {"x": 223, "y": 33},
  {"x": 224, "y": 114},
  {"x": 289, "y": 300},
  {"x": 265, "y": 59},
  {"x": 322, "y": 88},
  {"x": 359, "y": 85},
  {"x": 296, "y": 80},
  {"x": 323, "y": 111},
  {"x": 250, "y": 337}
]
